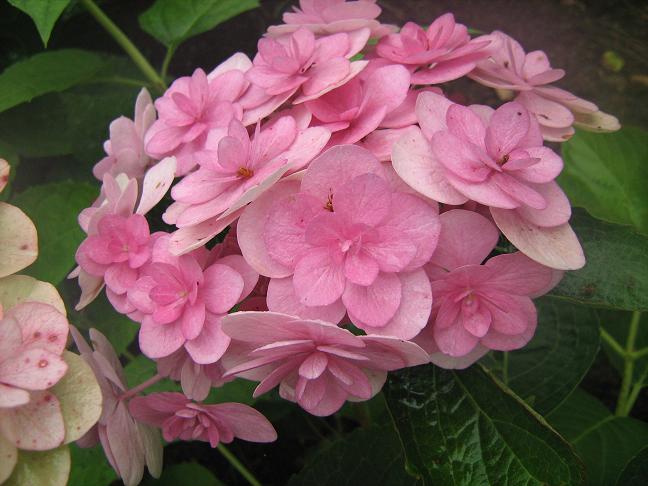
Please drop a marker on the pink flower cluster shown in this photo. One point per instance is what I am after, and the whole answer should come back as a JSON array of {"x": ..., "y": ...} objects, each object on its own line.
[{"x": 363, "y": 207}]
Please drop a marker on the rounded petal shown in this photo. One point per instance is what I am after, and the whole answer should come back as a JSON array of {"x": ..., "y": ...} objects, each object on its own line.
[
  {"x": 157, "y": 181},
  {"x": 318, "y": 280},
  {"x": 282, "y": 298},
  {"x": 431, "y": 109},
  {"x": 518, "y": 274},
  {"x": 557, "y": 212},
  {"x": 222, "y": 288},
  {"x": 337, "y": 166},
  {"x": 251, "y": 227},
  {"x": 376, "y": 304},
  {"x": 15, "y": 289},
  {"x": 36, "y": 426},
  {"x": 160, "y": 340},
  {"x": 211, "y": 344},
  {"x": 556, "y": 247},
  {"x": 42, "y": 326},
  {"x": 416, "y": 164},
  {"x": 246, "y": 423},
  {"x": 18, "y": 240},
  {"x": 414, "y": 309},
  {"x": 466, "y": 238}
]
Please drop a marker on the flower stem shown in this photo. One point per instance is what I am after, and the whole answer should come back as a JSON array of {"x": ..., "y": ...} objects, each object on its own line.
[
  {"x": 141, "y": 387},
  {"x": 624, "y": 404},
  {"x": 616, "y": 347},
  {"x": 167, "y": 60},
  {"x": 126, "y": 44},
  {"x": 231, "y": 458}
]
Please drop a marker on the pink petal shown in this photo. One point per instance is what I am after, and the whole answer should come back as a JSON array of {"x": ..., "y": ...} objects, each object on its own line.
[
  {"x": 211, "y": 344},
  {"x": 417, "y": 165},
  {"x": 557, "y": 212},
  {"x": 42, "y": 326},
  {"x": 366, "y": 199},
  {"x": 36, "y": 426},
  {"x": 318, "y": 280},
  {"x": 548, "y": 113},
  {"x": 414, "y": 309},
  {"x": 337, "y": 166},
  {"x": 431, "y": 109},
  {"x": 509, "y": 124},
  {"x": 555, "y": 247},
  {"x": 375, "y": 304},
  {"x": 222, "y": 288},
  {"x": 466, "y": 238},
  {"x": 282, "y": 298},
  {"x": 517, "y": 274},
  {"x": 121, "y": 433},
  {"x": 454, "y": 340},
  {"x": 251, "y": 227},
  {"x": 250, "y": 277},
  {"x": 156, "y": 183},
  {"x": 33, "y": 369},
  {"x": 246, "y": 423},
  {"x": 12, "y": 397},
  {"x": 160, "y": 340},
  {"x": 189, "y": 238}
]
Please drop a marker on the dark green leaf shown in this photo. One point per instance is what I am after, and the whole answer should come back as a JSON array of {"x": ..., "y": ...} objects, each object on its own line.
[
  {"x": 607, "y": 174},
  {"x": 547, "y": 369},
  {"x": 635, "y": 472},
  {"x": 54, "y": 209},
  {"x": 604, "y": 442},
  {"x": 141, "y": 369},
  {"x": 366, "y": 456},
  {"x": 173, "y": 21},
  {"x": 101, "y": 315},
  {"x": 616, "y": 273},
  {"x": 184, "y": 473},
  {"x": 44, "y": 13},
  {"x": 90, "y": 466},
  {"x": 73, "y": 122},
  {"x": 617, "y": 325},
  {"x": 465, "y": 428},
  {"x": 46, "y": 72}
]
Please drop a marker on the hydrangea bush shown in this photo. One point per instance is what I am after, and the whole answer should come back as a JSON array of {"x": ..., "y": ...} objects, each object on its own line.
[{"x": 311, "y": 219}]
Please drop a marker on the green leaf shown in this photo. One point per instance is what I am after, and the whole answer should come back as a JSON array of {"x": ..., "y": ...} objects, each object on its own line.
[
  {"x": 101, "y": 315},
  {"x": 47, "y": 468},
  {"x": 80, "y": 397},
  {"x": 75, "y": 121},
  {"x": 44, "y": 13},
  {"x": 46, "y": 72},
  {"x": 141, "y": 369},
  {"x": 54, "y": 209},
  {"x": 607, "y": 174},
  {"x": 90, "y": 466},
  {"x": 465, "y": 428},
  {"x": 604, "y": 442},
  {"x": 635, "y": 472},
  {"x": 173, "y": 21},
  {"x": 184, "y": 473},
  {"x": 555, "y": 361},
  {"x": 617, "y": 325},
  {"x": 616, "y": 273},
  {"x": 366, "y": 456}
]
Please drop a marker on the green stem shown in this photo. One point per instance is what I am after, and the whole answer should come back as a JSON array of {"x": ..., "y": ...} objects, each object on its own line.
[
  {"x": 167, "y": 60},
  {"x": 126, "y": 44},
  {"x": 141, "y": 387},
  {"x": 618, "y": 349},
  {"x": 622, "y": 408},
  {"x": 231, "y": 458},
  {"x": 640, "y": 353}
]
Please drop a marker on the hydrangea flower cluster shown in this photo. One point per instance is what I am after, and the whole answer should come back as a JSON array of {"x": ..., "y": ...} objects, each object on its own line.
[
  {"x": 36, "y": 396},
  {"x": 336, "y": 216}
]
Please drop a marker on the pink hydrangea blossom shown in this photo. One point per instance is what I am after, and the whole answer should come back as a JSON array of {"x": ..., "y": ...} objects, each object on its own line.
[
  {"x": 283, "y": 66},
  {"x": 316, "y": 364},
  {"x": 116, "y": 221},
  {"x": 196, "y": 379},
  {"x": 125, "y": 149},
  {"x": 179, "y": 417},
  {"x": 32, "y": 339},
  {"x": 180, "y": 301},
  {"x": 331, "y": 16},
  {"x": 128, "y": 444},
  {"x": 191, "y": 108},
  {"x": 508, "y": 67},
  {"x": 444, "y": 52},
  {"x": 495, "y": 158},
  {"x": 478, "y": 306},
  {"x": 358, "y": 107},
  {"x": 237, "y": 170},
  {"x": 344, "y": 240}
]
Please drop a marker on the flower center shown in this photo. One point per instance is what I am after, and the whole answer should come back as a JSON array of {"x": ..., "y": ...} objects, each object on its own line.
[
  {"x": 504, "y": 160},
  {"x": 329, "y": 202},
  {"x": 245, "y": 173}
]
